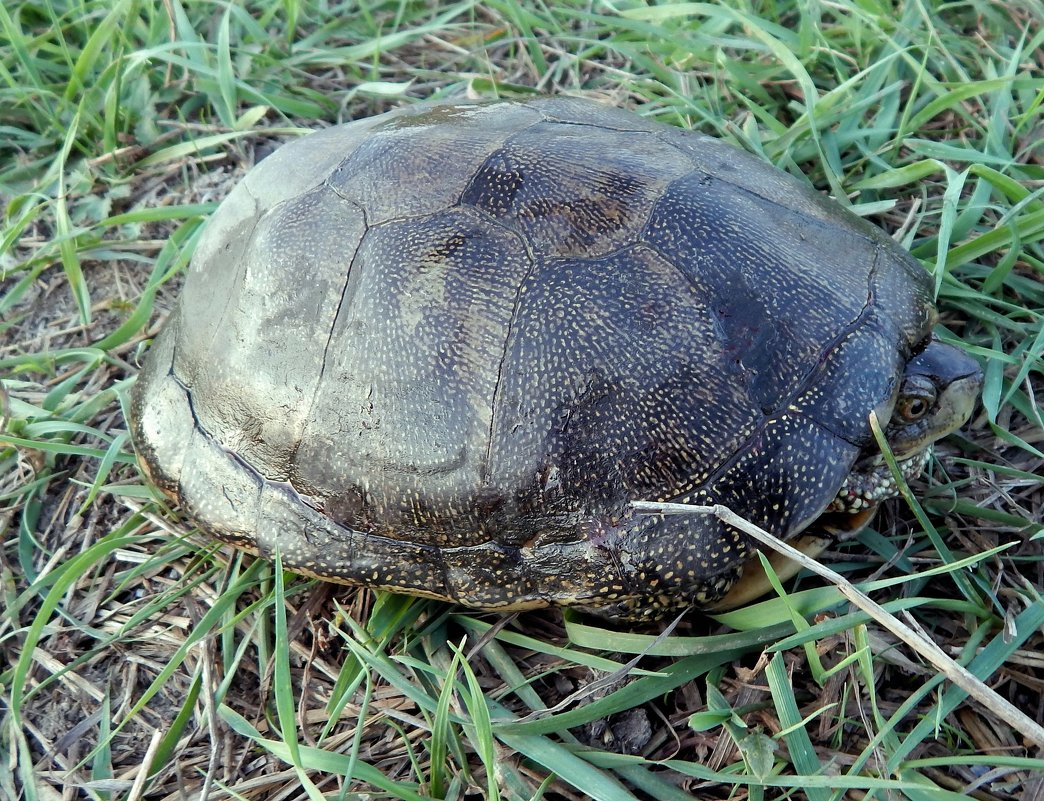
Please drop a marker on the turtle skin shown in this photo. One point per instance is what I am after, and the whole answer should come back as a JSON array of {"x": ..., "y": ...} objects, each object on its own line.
[{"x": 440, "y": 351}]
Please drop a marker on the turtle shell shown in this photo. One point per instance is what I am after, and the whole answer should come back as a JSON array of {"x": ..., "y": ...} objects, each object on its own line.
[{"x": 440, "y": 350}]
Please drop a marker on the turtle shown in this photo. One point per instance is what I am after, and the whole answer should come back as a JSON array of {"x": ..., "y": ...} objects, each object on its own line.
[{"x": 442, "y": 350}]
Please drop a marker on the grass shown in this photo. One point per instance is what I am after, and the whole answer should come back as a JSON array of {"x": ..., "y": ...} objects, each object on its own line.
[{"x": 139, "y": 660}]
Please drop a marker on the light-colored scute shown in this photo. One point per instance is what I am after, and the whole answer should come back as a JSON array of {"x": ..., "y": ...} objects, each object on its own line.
[{"x": 255, "y": 384}]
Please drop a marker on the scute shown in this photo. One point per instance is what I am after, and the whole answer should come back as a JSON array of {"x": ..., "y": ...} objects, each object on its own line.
[
  {"x": 281, "y": 297},
  {"x": 231, "y": 513},
  {"x": 614, "y": 377},
  {"x": 442, "y": 349},
  {"x": 837, "y": 395},
  {"x": 163, "y": 418},
  {"x": 712, "y": 157},
  {"x": 789, "y": 470},
  {"x": 324, "y": 548},
  {"x": 569, "y": 199},
  {"x": 581, "y": 111},
  {"x": 301, "y": 165},
  {"x": 384, "y": 173},
  {"x": 760, "y": 267},
  {"x": 406, "y": 419}
]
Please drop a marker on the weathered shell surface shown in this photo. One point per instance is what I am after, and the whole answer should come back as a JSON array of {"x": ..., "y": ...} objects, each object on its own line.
[{"x": 440, "y": 350}]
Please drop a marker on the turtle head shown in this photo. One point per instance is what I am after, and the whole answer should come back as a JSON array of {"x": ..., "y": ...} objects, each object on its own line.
[
  {"x": 939, "y": 387},
  {"x": 937, "y": 395},
  {"x": 938, "y": 391}
]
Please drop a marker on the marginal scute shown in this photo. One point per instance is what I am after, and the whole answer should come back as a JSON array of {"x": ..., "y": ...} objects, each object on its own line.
[
  {"x": 441, "y": 351},
  {"x": 903, "y": 295},
  {"x": 231, "y": 512},
  {"x": 581, "y": 111},
  {"x": 787, "y": 475},
  {"x": 845, "y": 413},
  {"x": 162, "y": 421},
  {"x": 488, "y": 575},
  {"x": 690, "y": 559},
  {"x": 326, "y": 549}
]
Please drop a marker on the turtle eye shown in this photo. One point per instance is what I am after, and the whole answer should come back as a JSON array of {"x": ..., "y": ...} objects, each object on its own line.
[{"x": 913, "y": 408}]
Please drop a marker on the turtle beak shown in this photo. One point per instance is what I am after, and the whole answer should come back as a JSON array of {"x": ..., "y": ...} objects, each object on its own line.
[{"x": 958, "y": 399}]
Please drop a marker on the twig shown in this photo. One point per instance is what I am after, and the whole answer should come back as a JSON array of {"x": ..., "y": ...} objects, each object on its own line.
[
  {"x": 138, "y": 787},
  {"x": 925, "y": 647}
]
